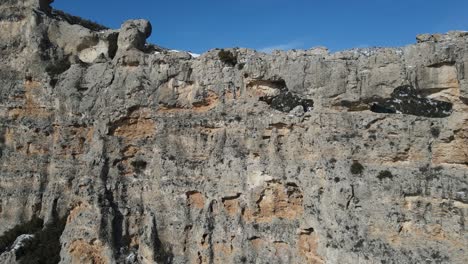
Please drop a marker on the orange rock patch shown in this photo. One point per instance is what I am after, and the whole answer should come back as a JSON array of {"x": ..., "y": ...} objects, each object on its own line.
[
  {"x": 76, "y": 211},
  {"x": 454, "y": 151},
  {"x": 38, "y": 143},
  {"x": 31, "y": 107},
  {"x": 259, "y": 88},
  {"x": 307, "y": 247},
  {"x": 277, "y": 201},
  {"x": 72, "y": 140},
  {"x": 257, "y": 243},
  {"x": 130, "y": 151},
  {"x": 231, "y": 205},
  {"x": 125, "y": 165},
  {"x": 195, "y": 199},
  {"x": 281, "y": 248},
  {"x": 210, "y": 101},
  {"x": 232, "y": 95},
  {"x": 222, "y": 252},
  {"x": 86, "y": 253},
  {"x": 138, "y": 125}
]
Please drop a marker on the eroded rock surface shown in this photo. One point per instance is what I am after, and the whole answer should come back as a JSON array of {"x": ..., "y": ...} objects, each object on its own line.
[{"x": 131, "y": 153}]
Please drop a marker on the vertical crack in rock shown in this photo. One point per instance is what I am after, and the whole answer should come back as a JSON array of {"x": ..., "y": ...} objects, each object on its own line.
[
  {"x": 162, "y": 254},
  {"x": 112, "y": 219}
]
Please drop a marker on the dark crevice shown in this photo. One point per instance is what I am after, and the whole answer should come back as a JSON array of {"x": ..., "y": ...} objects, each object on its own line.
[
  {"x": 354, "y": 106},
  {"x": 351, "y": 197},
  {"x": 464, "y": 100},
  {"x": 307, "y": 231},
  {"x": 117, "y": 223},
  {"x": 58, "y": 67},
  {"x": 12, "y": 17},
  {"x": 440, "y": 64},
  {"x": 229, "y": 198},
  {"x": 44, "y": 5},
  {"x": 115, "y": 215},
  {"x": 139, "y": 165},
  {"x": 279, "y": 84},
  {"x": 112, "y": 221},
  {"x": 209, "y": 228},
  {"x": 2, "y": 141},
  {"x": 45, "y": 247},
  {"x": 9, "y": 237},
  {"x": 113, "y": 47},
  {"x": 161, "y": 253},
  {"x": 82, "y": 88}
]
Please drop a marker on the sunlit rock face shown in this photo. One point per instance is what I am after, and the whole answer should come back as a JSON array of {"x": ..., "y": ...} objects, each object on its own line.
[{"x": 113, "y": 150}]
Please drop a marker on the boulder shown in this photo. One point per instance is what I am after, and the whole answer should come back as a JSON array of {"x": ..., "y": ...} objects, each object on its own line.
[{"x": 133, "y": 34}]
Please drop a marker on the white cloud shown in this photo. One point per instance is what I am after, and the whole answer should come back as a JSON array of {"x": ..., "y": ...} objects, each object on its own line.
[{"x": 286, "y": 46}]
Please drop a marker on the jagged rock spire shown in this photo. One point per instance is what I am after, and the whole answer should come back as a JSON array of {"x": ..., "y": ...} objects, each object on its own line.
[{"x": 133, "y": 34}]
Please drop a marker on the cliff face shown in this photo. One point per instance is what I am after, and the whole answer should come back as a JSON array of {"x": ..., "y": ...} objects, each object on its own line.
[{"x": 117, "y": 151}]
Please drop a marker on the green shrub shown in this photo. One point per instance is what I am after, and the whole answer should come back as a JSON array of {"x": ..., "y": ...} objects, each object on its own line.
[
  {"x": 139, "y": 165},
  {"x": 435, "y": 131},
  {"x": 227, "y": 57},
  {"x": 58, "y": 67},
  {"x": 385, "y": 175},
  {"x": 356, "y": 168},
  {"x": 74, "y": 20}
]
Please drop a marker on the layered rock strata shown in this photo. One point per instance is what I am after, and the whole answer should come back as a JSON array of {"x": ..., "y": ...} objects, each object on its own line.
[{"x": 120, "y": 151}]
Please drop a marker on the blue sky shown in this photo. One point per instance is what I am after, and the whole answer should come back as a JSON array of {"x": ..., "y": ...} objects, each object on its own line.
[{"x": 200, "y": 25}]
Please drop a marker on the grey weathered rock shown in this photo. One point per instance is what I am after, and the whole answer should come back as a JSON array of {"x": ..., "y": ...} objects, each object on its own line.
[
  {"x": 153, "y": 156},
  {"x": 133, "y": 34}
]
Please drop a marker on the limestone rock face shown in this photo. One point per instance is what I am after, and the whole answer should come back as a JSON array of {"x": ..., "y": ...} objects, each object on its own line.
[
  {"x": 131, "y": 153},
  {"x": 133, "y": 34}
]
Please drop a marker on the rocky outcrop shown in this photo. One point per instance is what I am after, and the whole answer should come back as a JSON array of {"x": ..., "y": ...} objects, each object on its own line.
[{"x": 131, "y": 153}]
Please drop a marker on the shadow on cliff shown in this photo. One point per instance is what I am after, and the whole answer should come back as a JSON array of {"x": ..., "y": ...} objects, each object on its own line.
[{"x": 42, "y": 247}]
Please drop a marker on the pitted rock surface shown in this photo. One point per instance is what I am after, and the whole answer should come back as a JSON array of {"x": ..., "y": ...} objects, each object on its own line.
[{"x": 131, "y": 153}]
